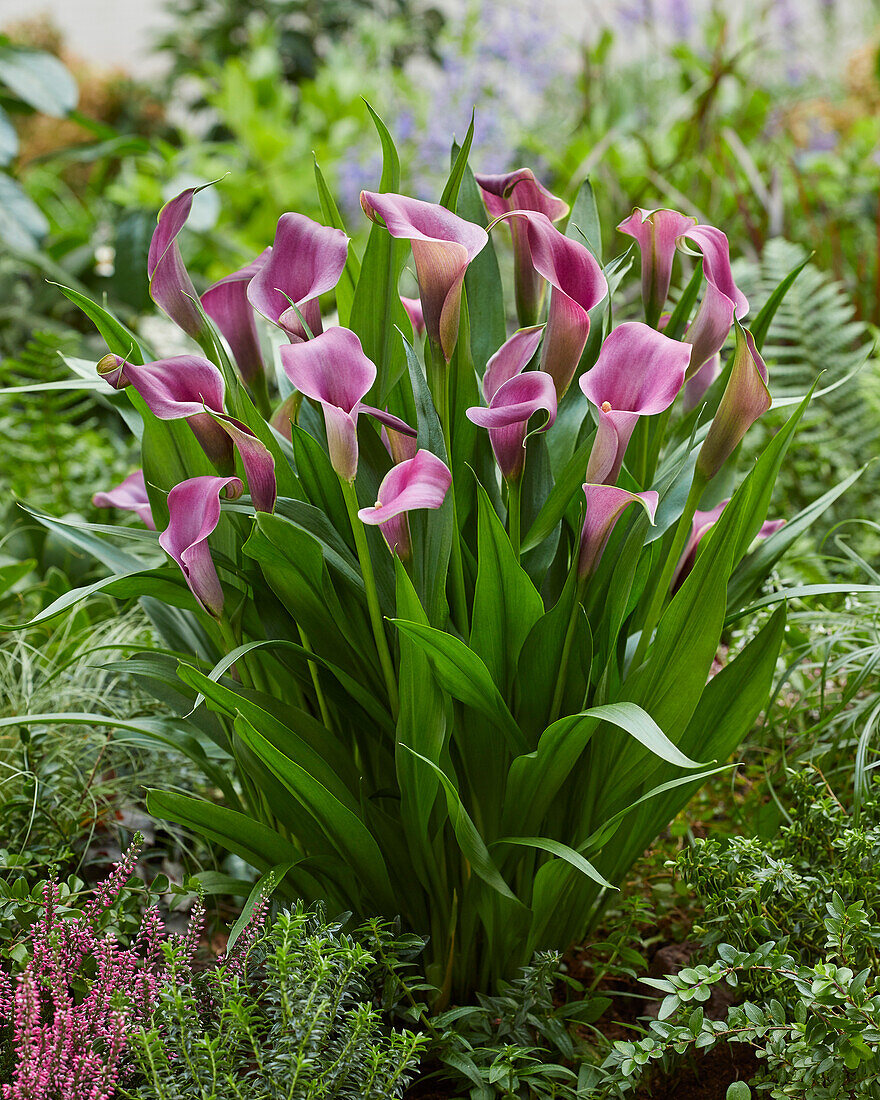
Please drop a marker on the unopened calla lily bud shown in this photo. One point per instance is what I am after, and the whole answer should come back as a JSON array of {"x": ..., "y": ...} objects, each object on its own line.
[
  {"x": 656, "y": 232},
  {"x": 605, "y": 505}
]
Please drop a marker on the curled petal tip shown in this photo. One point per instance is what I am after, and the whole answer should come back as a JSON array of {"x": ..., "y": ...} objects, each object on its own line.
[{"x": 605, "y": 505}]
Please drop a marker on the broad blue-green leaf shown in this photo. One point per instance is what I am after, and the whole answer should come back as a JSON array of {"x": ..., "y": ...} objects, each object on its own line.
[
  {"x": 561, "y": 851},
  {"x": 482, "y": 282},
  {"x": 39, "y": 79},
  {"x": 583, "y": 222},
  {"x": 351, "y": 272},
  {"x": 449, "y": 198}
]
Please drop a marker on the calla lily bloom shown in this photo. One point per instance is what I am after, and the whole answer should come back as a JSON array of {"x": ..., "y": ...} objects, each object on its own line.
[
  {"x": 188, "y": 387},
  {"x": 656, "y": 232},
  {"x": 305, "y": 262},
  {"x": 696, "y": 387},
  {"x": 702, "y": 524},
  {"x": 413, "y": 307},
  {"x": 226, "y": 303},
  {"x": 333, "y": 370},
  {"x": 170, "y": 285},
  {"x": 443, "y": 245},
  {"x": 639, "y": 372},
  {"x": 194, "y": 512},
  {"x": 605, "y": 505},
  {"x": 521, "y": 191},
  {"x": 577, "y": 286},
  {"x": 420, "y": 482},
  {"x": 722, "y": 301},
  {"x": 745, "y": 398},
  {"x": 129, "y": 496},
  {"x": 513, "y": 398},
  {"x": 399, "y": 446}
]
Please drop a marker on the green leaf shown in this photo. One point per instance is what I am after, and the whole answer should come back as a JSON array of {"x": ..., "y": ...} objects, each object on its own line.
[
  {"x": 506, "y": 603},
  {"x": 351, "y": 272},
  {"x": 567, "y": 483},
  {"x": 39, "y": 79},
  {"x": 482, "y": 282},
  {"x": 562, "y": 851},
  {"x": 449, "y": 198},
  {"x": 8, "y": 139},
  {"x": 265, "y": 885},
  {"x": 22, "y": 223},
  {"x": 680, "y": 315},
  {"x": 461, "y": 672},
  {"x": 583, "y": 222},
  {"x": 119, "y": 339},
  {"x": 800, "y": 592}
]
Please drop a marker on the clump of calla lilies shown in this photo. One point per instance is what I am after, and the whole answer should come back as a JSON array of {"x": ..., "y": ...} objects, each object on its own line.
[{"x": 452, "y": 572}]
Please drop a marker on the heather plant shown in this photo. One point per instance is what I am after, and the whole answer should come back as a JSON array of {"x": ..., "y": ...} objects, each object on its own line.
[{"x": 453, "y": 594}]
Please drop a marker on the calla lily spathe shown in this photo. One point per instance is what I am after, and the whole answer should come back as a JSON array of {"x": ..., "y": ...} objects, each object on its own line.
[
  {"x": 639, "y": 372},
  {"x": 443, "y": 245},
  {"x": 722, "y": 302},
  {"x": 605, "y": 505},
  {"x": 170, "y": 285},
  {"x": 577, "y": 285},
  {"x": 701, "y": 525},
  {"x": 656, "y": 232},
  {"x": 413, "y": 307},
  {"x": 194, "y": 512},
  {"x": 696, "y": 387},
  {"x": 226, "y": 303},
  {"x": 746, "y": 397},
  {"x": 419, "y": 482},
  {"x": 333, "y": 370},
  {"x": 305, "y": 262},
  {"x": 188, "y": 387},
  {"x": 520, "y": 190},
  {"x": 129, "y": 495},
  {"x": 513, "y": 398}
]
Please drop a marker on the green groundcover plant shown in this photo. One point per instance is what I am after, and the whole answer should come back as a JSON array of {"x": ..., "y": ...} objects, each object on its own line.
[{"x": 459, "y": 669}]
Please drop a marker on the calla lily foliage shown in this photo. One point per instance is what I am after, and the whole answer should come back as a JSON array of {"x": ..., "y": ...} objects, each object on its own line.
[{"x": 454, "y": 659}]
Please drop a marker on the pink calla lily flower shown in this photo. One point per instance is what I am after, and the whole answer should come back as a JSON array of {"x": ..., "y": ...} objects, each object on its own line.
[
  {"x": 656, "y": 232},
  {"x": 414, "y": 311},
  {"x": 696, "y": 387},
  {"x": 723, "y": 300},
  {"x": 188, "y": 387},
  {"x": 226, "y": 303},
  {"x": 129, "y": 496},
  {"x": 443, "y": 245},
  {"x": 521, "y": 191},
  {"x": 513, "y": 398},
  {"x": 702, "y": 524},
  {"x": 333, "y": 370},
  {"x": 745, "y": 398},
  {"x": 605, "y": 505},
  {"x": 170, "y": 285},
  {"x": 305, "y": 262},
  {"x": 194, "y": 512},
  {"x": 419, "y": 482},
  {"x": 399, "y": 446},
  {"x": 639, "y": 372},
  {"x": 578, "y": 285}
]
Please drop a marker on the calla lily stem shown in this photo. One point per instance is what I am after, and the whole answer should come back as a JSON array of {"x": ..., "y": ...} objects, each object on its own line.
[{"x": 363, "y": 552}]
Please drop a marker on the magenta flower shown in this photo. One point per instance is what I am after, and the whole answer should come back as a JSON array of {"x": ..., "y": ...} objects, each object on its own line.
[
  {"x": 129, "y": 496},
  {"x": 745, "y": 398},
  {"x": 333, "y": 370},
  {"x": 702, "y": 524},
  {"x": 656, "y": 232},
  {"x": 513, "y": 398},
  {"x": 605, "y": 505},
  {"x": 226, "y": 303},
  {"x": 521, "y": 191},
  {"x": 194, "y": 511},
  {"x": 413, "y": 307},
  {"x": 170, "y": 285},
  {"x": 696, "y": 387},
  {"x": 305, "y": 262},
  {"x": 722, "y": 301},
  {"x": 638, "y": 373},
  {"x": 442, "y": 246},
  {"x": 420, "y": 482},
  {"x": 190, "y": 388},
  {"x": 399, "y": 446},
  {"x": 577, "y": 286}
]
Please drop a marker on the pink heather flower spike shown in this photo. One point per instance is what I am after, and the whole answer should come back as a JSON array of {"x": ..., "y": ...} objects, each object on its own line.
[
  {"x": 507, "y": 417},
  {"x": 521, "y": 191},
  {"x": 723, "y": 300},
  {"x": 696, "y": 387},
  {"x": 333, "y": 370},
  {"x": 129, "y": 496},
  {"x": 194, "y": 510},
  {"x": 170, "y": 285},
  {"x": 638, "y": 373},
  {"x": 414, "y": 311},
  {"x": 656, "y": 232},
  {"x": 190, "y": 388},
  {"x": 578, "y": 285},
  {"x": 511, "y": 359},
  {"x": 226, "y": 303},
  {"x": 306, "y": 261},
  {"x": 420, "y": 482},
  {"x": 605, "y": 505},
  {"x": 702, "y": 524},
  {"x": 745, "y": 398},
  {"x": 443, "y": 245}
]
